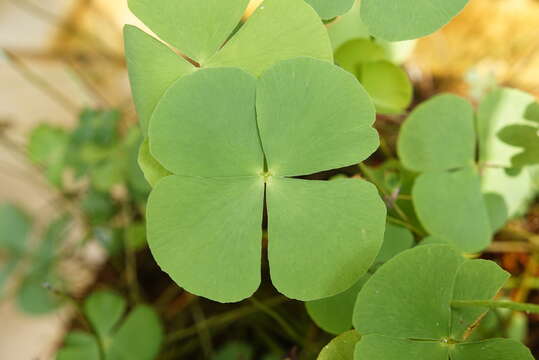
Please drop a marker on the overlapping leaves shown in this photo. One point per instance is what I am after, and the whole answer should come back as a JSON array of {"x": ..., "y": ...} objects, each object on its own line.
[
  {"x": 138, "y": 336},
  {"x": 404, "y": 311},
  {"x": 227, "y": 138}
]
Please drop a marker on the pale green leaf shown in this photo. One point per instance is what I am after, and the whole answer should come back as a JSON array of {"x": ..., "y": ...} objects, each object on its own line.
[
  {"x": 278, "y": 30},
  {"x": 153, "y": 67},
  {"x": 340, "y": 348},
  {"x": 387, "y": 84},
  {"x": 439, "y": 196},
  {"x": 353, "y": 53},
  {"x": 205, "y": 125},
  {"x": 104, "y": 309},
  {"x": 206, "y": 234},
  {"x": 513, "y": 187},
  {"x": 387, "y": 348},
  {"x": 139, "y": 337},
  {"x": 408, "y": 19},
  {"x": 344, "y": 218},
  {"x": 197, "y": 28},
  {"x": 153, "y": 171},
  {"x": 313, "y": 116},
  {"x": 500, "y": 109},
  {"x": 526, "y": 139},
  {"x": 328, "y": 9},
  {"x": 475, "y": 280},
  {"x": 15, "y": 227},
  {"x": 334, "y": 314},
  {"x": 47, "y": 146},
  {"x": 495, "y": 349},
  {"x": 438, "y": 135},
  {"x": 409, "y": 296}
]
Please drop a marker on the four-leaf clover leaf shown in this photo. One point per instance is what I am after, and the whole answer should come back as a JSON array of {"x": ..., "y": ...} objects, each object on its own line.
[{"x": 230, "y": 142}]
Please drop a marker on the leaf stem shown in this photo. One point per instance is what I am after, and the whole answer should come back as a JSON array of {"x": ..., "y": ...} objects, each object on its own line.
[{"x": 497, "y": 304}]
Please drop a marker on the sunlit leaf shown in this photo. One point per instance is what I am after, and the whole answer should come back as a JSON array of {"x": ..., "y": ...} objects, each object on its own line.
[
  {"x": 197, "y": 28},
  {"x": 278, "y": 30},
  {"x": 388, "y": 348},
  {"x": 408, "y": 19},
  {"x": 152, "y": 169},
  {"x": 331, "y": 128},
  {"x": 439, "y": 196},
  {"x": 153, "y": 67},
  {"x": 353, "y": 53},
  {"x": 340, "y": 348},
  {"x": 438, "y": 135},
  {"x": 388, "y": 85},
  {"x": 330, "y": 9}
]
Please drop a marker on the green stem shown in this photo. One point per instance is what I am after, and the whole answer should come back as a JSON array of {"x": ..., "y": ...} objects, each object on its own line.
[{"x": 493, "y": 304}]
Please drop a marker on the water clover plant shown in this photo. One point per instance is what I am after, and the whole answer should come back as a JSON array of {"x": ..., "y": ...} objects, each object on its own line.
[
  {"x": 241, "y": 139},
  {"x": 420, "y": 305},
  {"x": 438, "y": 140},
  {"x": 278, "y": 30},
  {"x": 408, "y": 19},
  {"x": 137, "y": 336}
]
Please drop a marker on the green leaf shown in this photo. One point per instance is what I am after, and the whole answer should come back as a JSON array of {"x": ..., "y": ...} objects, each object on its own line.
[
  {"x": 135, "y": 236},
  {"x": 334, "y": 314},
  {"x": 341, "y": 347},
  {"x": 278, "y": 30},
  {"x": 330, "y": 9},
  {"x": 495, "y": 349},
  {"x": 205, "y": 125},
  {"x": 439, "y": 196},
  {"x": 409, "y": 296},
  {"x": 33, "y": 297},
  {"x": 396, "y": 240},
  {"x": 345, "y": 218},
  {"x": 139, "y": 338},
  {"x": 475, "y": 280},
  {"x": 15, "y": 227},
  {"x": 153, "y": 67},
  {"x": 497, "y": 210},
  {"x": 526, "y": 139},
  {"x": 197, "y": 28},
  {"x": 353, "y": 53},
  {"x": 104, "y": 309},
  {"x": 388, "y": 85},
  {"x": 98, "y": 206},
  {"x": 500, "y": 109},
  {"x": 405, "y": 307},
  {"x": 214, "y": 225},
  {"x": 300, "y": 134},
  {"x": 47, "y": 147},
  {"x": 438, "y": 135},
  {"x": 152, "y": 169},
  {"x": 408, "y": 19},
  {"x": 388, "y": 348},
  {"x": 79, "y": 345}
]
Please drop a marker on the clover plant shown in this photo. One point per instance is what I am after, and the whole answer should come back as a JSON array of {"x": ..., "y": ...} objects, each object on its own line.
[
  {"x": 137, "y": 336},
  {"x": 424, "y": 304},
  {"x": 236, "y": 114}
]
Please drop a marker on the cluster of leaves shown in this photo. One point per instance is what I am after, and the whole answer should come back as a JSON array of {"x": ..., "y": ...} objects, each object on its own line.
[
  {"x": 115, "y": 335},
  {"x": 100, "y": 161},
  {"x": 407, "y": 310},
  {"x": 34, "y": 264}
]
